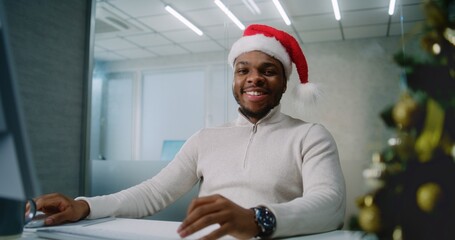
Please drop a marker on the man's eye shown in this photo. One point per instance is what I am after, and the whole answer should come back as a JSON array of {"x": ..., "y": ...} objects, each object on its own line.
[
  {"x": 270, "y": 72},
  {"x": 242, "y": 71}
]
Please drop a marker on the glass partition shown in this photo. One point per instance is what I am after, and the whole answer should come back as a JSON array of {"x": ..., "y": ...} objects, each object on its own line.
[
  {"x": 172, "y": 109},
  {"x": 133, "y": 114}
]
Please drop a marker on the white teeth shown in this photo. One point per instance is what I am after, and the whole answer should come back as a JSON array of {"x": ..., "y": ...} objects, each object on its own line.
[{"x": 254, "y": 93}]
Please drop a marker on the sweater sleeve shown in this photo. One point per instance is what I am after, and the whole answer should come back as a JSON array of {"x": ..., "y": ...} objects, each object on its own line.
[
  {"x": 154, "y": 194},
  {"x": 321, "y": 207}
]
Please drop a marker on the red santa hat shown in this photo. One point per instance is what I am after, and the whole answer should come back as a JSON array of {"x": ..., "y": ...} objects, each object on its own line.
[{"x": 283, "y": 47}]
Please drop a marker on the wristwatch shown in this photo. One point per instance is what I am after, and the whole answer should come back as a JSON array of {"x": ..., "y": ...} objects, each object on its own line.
[{"x": 265, "y": 220}]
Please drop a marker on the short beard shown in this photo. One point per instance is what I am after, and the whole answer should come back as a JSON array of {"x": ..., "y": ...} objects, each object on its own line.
[
  {"x": 256, "y": 115},
  {"x": 249, "y": 113}
]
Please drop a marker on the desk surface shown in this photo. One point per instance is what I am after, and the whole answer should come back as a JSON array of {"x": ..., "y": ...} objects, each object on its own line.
[{"x": 118, "y": 228}]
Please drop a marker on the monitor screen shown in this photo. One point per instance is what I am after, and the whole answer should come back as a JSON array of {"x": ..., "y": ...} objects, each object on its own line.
[
  {"x": 17, "y": 176},
  {"x": 170, "y": 149}
]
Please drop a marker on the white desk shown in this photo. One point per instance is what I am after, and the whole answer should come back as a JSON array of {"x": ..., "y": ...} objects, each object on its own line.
[{"x": 152, "y": 229}]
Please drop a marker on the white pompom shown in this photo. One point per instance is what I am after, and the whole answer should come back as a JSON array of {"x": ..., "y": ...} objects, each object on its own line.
[{"x": 308, "y": 93}]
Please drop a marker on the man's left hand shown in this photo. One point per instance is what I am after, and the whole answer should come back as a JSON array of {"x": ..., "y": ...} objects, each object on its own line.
[{"x": 215, "y": 209}]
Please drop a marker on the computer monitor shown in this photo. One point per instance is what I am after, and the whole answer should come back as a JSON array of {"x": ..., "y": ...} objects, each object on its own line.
[
  {"x": 18, "y": 180},
  {"x": 170, "y": 149}
]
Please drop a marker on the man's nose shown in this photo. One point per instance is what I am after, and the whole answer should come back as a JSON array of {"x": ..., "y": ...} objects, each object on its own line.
[{"x": 256, "y": 78}]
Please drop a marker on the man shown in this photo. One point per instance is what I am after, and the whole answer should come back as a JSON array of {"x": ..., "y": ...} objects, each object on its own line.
[{"x": 263, "y": 175}]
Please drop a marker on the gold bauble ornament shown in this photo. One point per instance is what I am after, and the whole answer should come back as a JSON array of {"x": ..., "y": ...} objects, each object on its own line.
[
  {"x": 370, "y": 218},
  {"x": 428, "y": 196},
  {"x": 397, "y": 233},
  {"x": 406, "y": 112}
]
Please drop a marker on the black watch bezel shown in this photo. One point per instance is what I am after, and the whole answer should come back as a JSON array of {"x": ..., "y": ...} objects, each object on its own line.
[{"x": 265, "y": 220}]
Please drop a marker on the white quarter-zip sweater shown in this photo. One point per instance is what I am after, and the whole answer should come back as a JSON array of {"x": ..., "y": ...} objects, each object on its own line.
[{"x": 286, "y": 164}]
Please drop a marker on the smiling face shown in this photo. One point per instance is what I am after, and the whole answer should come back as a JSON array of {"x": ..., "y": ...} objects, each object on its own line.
[{"x": 259, "y": 83}]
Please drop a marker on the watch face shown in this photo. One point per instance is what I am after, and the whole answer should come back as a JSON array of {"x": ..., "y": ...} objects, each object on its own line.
[{"x": 265, "y": 220}]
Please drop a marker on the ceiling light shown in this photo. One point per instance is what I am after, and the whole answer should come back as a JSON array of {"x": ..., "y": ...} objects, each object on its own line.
[
  {"x": 252, "y": 6},
  {"x": 230, "y": 14},
  {"x": 336, "y": 10},
  {"x": 183, "y": 20},
  {"x": 282, "y": 12},
  {"x": 391, "y": 7}
]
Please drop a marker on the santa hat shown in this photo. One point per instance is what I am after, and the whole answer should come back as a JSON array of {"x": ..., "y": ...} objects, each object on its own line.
[{"x": 283, "y": 47}]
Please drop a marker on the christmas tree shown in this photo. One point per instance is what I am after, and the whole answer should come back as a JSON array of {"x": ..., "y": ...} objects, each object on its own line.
[{"x": 412, "y": 180}]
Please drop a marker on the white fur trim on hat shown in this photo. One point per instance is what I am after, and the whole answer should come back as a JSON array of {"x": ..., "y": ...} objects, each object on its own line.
[
  {"x": 308, "y": 93},
  {"x": 259, "y": 42}
]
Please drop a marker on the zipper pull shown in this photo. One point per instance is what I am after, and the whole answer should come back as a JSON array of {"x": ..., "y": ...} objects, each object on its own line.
[{"x": 255, "y": 127}]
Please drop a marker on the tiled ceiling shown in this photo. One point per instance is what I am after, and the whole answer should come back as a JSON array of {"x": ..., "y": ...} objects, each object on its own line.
[{"x": 132, "y": 29}]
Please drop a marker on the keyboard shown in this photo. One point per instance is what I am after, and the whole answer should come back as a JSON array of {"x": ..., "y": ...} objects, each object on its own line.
[
  {"x": 118, "y": 228},
  {"x": 86, "y": 233}
]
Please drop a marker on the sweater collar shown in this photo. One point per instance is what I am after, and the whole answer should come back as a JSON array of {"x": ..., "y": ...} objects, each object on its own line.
[{"x": 274, "y": 115}]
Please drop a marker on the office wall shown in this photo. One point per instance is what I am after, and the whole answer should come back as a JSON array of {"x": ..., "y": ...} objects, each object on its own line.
[
  {"x": 359, "y": 79},
  {"x": 49, "y": 41}
]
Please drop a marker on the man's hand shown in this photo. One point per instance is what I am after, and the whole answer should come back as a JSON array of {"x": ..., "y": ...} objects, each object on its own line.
[
  {"x": 61, "y": 209},
  {"x": 216, "y": 209}
]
